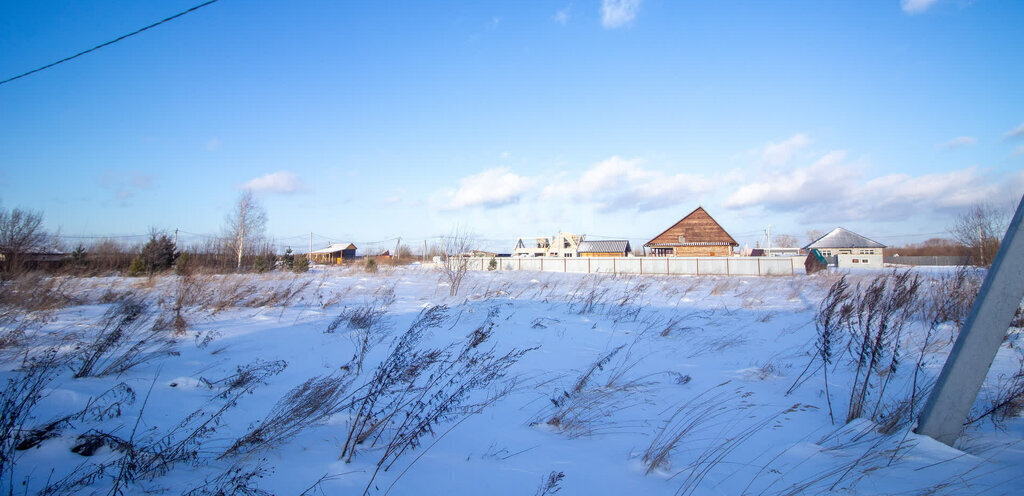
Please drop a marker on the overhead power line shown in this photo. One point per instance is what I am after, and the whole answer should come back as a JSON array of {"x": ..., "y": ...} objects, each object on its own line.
[{"x": 111, "y": 42}]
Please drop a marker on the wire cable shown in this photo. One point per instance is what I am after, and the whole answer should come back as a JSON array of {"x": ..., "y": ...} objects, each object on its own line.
[{"x": 97, "y": 47}]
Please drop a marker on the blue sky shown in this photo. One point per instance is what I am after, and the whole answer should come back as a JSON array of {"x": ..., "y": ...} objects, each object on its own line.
[{"x": 365, "y": 121}]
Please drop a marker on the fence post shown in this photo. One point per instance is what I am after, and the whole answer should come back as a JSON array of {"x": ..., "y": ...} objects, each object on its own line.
[
  {"x": 563, "y": 266},
  {"x": 698, "y": 265},
  {"x": 668, "y": 270},
  {"x": 727, "y": 271},
  {"x": 759, "y": 266},
  {"x": 614, "y": 269},
  {"x": 588, "y": 265}
]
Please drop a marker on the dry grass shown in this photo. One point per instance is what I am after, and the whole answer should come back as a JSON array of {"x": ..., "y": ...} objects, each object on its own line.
[
  {"x": 603, "y": 388},
  {"x": 124, "y": 341},
  {"x": 306, "y": 405}
]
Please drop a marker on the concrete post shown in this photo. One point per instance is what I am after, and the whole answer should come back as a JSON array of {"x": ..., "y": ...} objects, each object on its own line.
[{"x": 969, "y": 361}]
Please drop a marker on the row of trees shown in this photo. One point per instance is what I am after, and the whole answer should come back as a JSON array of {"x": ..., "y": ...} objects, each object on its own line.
[{"x": 244, "y": 244}]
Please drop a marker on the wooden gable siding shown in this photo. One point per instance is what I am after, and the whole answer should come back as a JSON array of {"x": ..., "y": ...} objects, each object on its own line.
[{"x": 700, "y": 231}]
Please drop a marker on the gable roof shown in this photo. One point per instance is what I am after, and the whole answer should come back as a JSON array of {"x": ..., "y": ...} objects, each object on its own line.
[
  {"x": 697, "y": 229},
  {"x": 335, "y": 247},
  {"x": 843, "y": 238},
  {"x": 604, "y": 246}
]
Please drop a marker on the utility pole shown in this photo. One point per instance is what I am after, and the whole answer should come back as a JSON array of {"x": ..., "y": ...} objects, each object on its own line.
[
  {"x": 769, "y": 234},
  {"x": 971, "y": 357},
  {"x": 175, "y": 238},
  {"x": 424, "y": 251},
  {"x": 310, "y": 243},
  {"x": 398, "y": 244}
]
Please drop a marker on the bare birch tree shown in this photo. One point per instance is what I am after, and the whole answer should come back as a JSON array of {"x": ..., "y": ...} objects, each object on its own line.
[
  {"x": 21, "y": 233},
  {"x": 245, "y": 225}
]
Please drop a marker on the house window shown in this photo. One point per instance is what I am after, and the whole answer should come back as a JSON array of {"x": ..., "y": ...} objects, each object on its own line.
[
  {"x": 855, "y": 260},
  {"x": 682, "y": 239}
]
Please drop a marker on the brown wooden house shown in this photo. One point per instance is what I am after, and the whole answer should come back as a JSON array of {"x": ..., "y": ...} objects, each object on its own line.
[
  {"x": 696, "y": 235},
  {"x": 336, "y": 253}
]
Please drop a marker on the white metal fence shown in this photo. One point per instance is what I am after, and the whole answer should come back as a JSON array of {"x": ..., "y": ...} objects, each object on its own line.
[{"x": 695, "y": 266}]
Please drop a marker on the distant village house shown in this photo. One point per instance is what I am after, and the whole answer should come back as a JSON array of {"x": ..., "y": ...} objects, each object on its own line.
[
  {"x": 336, "y": 253},
  {"x": 848, "y": 249},
  {"x": 696, "y": 235},
  {"x": 605, "y": 248}
]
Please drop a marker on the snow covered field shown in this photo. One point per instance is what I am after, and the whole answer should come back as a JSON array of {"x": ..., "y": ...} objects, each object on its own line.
[{"x": 525, "y": 383}]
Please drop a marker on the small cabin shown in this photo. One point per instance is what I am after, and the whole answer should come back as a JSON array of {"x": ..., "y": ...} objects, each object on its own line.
[{"x": 336, "y": 253}]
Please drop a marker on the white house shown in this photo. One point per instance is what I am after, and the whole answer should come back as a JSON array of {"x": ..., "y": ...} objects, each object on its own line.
[
  {"x": 565, "y": 245},
  {"x": 849, "y": 249}
]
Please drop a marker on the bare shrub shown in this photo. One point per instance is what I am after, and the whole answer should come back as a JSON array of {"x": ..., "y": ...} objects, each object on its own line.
[
  {"x": 455, "y": 247},
  {"x": 306, "y": 405},
  {"x": 147, "y": 454},
  {"x": 398, "y": 369},
  {"x": 441, "y": 395},
  {"x": 246, "y": 377},
  {"x": 414, "y": 392},
  {"x": 188, "y": 292},
  {"x": 20, "y": 396},
  {"x": 365, "y": 323},
  {"x": 123, "y": 342}
]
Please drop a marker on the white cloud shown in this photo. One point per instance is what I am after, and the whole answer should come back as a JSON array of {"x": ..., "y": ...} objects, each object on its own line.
[
  {"x": 617, "y": 13},
  {"x": 957, "y": 142},
  {"x": 490, "y": 188},
  {"x": 916, "y": 6},
  {"x": 276, "y": 182},
  {"x": 796, "y": 189},
  {"x": 623, "y": 184},
  {"x": 562, "y": 16},
  {"x": 783, "y": 151},
  {"x": 841, "y": 192},
  {"x": 1017, "y": 132},
  {"x": 831, "y": 158}
]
